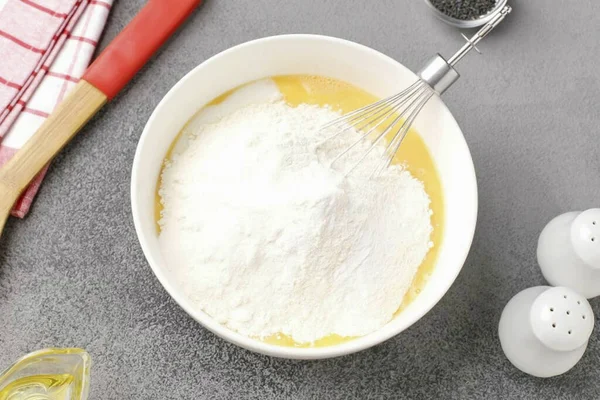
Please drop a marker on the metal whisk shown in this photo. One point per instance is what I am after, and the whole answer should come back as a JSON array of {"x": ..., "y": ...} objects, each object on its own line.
[{"x": 394, "y": 115}]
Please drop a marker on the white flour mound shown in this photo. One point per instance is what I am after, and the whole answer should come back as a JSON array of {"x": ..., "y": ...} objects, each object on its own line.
[{"x": 267, "y": 239}]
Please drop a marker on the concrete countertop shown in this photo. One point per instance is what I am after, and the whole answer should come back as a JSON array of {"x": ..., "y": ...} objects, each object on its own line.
[{"x": 72, "y": 272}]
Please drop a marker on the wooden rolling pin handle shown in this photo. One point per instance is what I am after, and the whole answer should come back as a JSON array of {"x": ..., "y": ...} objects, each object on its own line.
[
  {"x": 117, "y": 64},
  {"x": 58, "y": 129}
]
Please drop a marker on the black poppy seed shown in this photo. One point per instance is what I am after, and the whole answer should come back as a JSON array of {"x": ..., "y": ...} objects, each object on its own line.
[{"x": 464, "y": 9}]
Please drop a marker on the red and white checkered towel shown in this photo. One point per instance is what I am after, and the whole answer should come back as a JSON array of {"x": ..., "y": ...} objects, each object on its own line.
[{"x": 45, "y": 47}]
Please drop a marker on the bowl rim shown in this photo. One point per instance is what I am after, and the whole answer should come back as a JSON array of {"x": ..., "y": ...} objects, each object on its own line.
[{"x": 226, "y": 333}]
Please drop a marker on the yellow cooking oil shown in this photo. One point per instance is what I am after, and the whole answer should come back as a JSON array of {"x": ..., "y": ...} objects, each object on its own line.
[
  {"x": 413, "y": 154},
  {"x": 39, "y": 387},
  {"x": 48, "y": 374}
]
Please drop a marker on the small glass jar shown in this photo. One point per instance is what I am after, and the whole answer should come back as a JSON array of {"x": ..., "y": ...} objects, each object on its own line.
[{"x": 467, "y": 23}]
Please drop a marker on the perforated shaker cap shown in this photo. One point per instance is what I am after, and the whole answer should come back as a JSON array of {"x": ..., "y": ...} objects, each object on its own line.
[
  {"x": 585, "y": 235},
  {"x": 562, "y": 319}
]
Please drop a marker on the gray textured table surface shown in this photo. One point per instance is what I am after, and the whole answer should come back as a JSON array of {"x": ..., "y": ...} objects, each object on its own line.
[{"x": 72, "y": 273}]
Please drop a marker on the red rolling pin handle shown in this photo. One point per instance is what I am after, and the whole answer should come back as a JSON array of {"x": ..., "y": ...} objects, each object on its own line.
[{"x": 130, "y": 50}]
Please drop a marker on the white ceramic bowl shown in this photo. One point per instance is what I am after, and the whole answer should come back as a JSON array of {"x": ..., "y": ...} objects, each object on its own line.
[{"x": 317, "y": 55}]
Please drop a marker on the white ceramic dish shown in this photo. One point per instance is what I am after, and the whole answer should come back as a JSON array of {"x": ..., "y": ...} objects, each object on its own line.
[{"x": 317, "y": 55}]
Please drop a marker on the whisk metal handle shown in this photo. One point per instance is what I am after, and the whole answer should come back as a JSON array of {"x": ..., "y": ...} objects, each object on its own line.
[
  {"x": 440, "y": 74},
  {"x": 483, "y": 32}
]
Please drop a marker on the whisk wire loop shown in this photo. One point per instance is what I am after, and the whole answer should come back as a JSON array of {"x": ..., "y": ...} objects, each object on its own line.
[
  {"x": 403, "y": 131},
  {"x": 392, "y": 117},
  {"x": 415, "y": 102}
]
